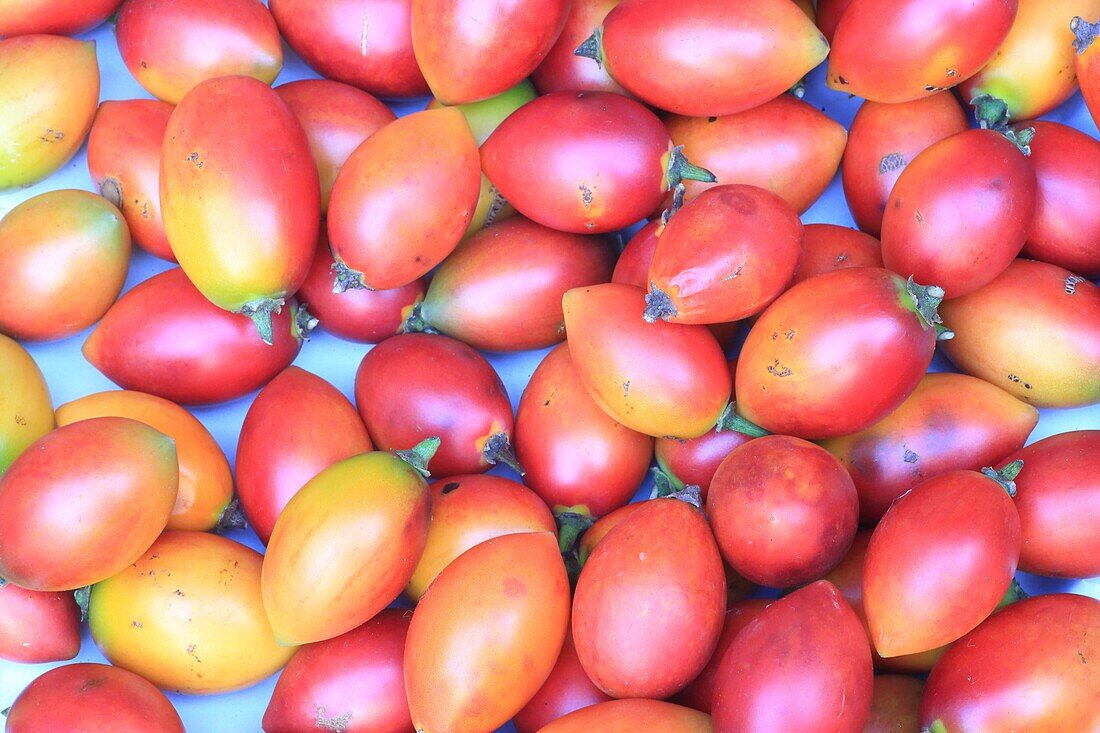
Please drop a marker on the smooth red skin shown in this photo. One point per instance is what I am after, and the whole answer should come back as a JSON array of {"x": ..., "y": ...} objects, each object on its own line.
[
  {"x": 331, "y": 37},
  {"x": 358, "y": 314},
  {"x": 786, "y": 146},
  {"x": 847, "y": 350},
  {"x": 709, "y": 57},
  {"x": 1029, "y": 667},
  {"x": 359, "y": 674},
  {"x": 567, "y": 688},
  {"x": 38, "y": 626},
  {"x": 950, "y": 422},
  {"x": 124, "y": 148},
  {"x": 54, "y": 17},
  {"x": 297, "y": 426},
  {"x": 475, "y": 49},
  {"x": 900, "y": 51},
  {"x": 502, "y": 289},
  {"x": 561, "y": 70},
  {"x": 649, "y": 604},
  {"x": 727, "y": 254},
  {"x": 939, "y": 562},
  {"x": 883, "y": 140},
  {"x": 699, "y": 694},
  {"x": 828, "y": 14},
  {"x": 90, "y": 698},
  {"x": 575, "y": 454},
  {"x": 1066, "y": 228},
  {"x": 1058, "y": 498},
  {"x": 1087, "y": 66},
  {"x": 960, "y": 212},
  {"x": 828, "y": 247},
  {"x": 895, "y": 704},
  {"x": 783, "y": 510},
  {"x": 163, "y": 337},
  {"x": 803, "y": 664},
  {"x": 603, "y": 143},
  {"x": 595, "y": 534},
  {"x": 416, "y": 386},
  {"x": 627, "y": 716}
]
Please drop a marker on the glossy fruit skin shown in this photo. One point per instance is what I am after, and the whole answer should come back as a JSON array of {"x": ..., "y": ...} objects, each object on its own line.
[
  {"x": 342, "y": 547},
  {"x": 828, "y": 247},
  {"x": 561, "y": 70},
  {"x": 29, "y": 17},
  {"x": 1066, "y": 228},
  {"x": 1054, "y": 312},
  {"x": 1087, "y": 65},
  {"x": 785, "y": 146},
  {"x": 785, "y": 669},
  {"x": 404, "y": 397},
  {"x": 475, "y": 50},
  {"x": 656, "y": 378},
  {"x": 649, "y": 604},
  {"x": 901, "y": 51},
  {"x": 726, "y": 255},
  {"x": 895, "y": 705},
  {"x": 88, "y": 698},
  {"x": 632, "y": 267},
  {"x": 171, "y": 46},
  {"x": 574, "y": 453},
  {"x": 1027, "y": 668},
  {"x": 884, "y": 139},
  {"x": 468, "y": 510},
  {"x": 1058, "y": 498},
  {"x": 789, "y": 378},
  {"x": 26, "y": 412},
  {"x": 626, "y": 716},
  {"x": 253, "y": 159},
  {"x": 210, "y": 610},
  {"x": 949, "y": 422},
  {"x": 101, "y": 490},
  {"x": 828, "y": 14},
  {"x": 49, "y": 87},
  {"x": 486, "y": 635},
  {"x": 740, "y": 54},
  {"x": 165, "y": 338},
  {"x": 502, "y": 289},
  {"x": 378, "y": 199},
  {"x": 297, "y": 426},
  {"x": 567, "y": 688},
  {"x": 37, "y": 626},
  {"x": 923, "y": 234},
  {"x": 603, "y": 526},
  {"x": 205, "y": 481},
  {"x": 356, "y": 679},
  {"x": 599, "y": 157},
  {"x": 939, "y": 562}
]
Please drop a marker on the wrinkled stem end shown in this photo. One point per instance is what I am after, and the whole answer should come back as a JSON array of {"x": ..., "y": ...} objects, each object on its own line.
[
  {"x": 677, "y": 204},
  {"x": 1084, "y": 33},
  {"x": 730, "y": 420},
  {"x": 664, "y": 484},
  {"x": 499, "y": 450},
  {"x": 1014, "y": 593},
  {"x": 943, "y": 333},
  {"x": 691, "y": 494},
  {"x": 418, "y": 456},
  {"x": 1006, "y": 477},
  {"x": 990, "y": 112},
  {"x": 416, "y": 323},
  {"x": 260, "y": 311},
  {"x": 592, "y": 47},
  {"x": 571, "y": 527},
  {"x": 231, "y": 518},
  {"x": 83, "y": 597},
  {"x": 304, "y": 323},
  {"x": 346, "y": 278},
  {"x": 927, "y": 299},
  {"x": 1021, "y": 139},
  {"x": 658, "y": 304},
  {"x": 681, "y": 169},
  {"x": 798, "y": 91}
]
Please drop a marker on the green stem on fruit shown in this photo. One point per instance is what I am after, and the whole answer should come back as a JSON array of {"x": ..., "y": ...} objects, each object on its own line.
[
  {"x": 663, "y": 484},
  {"x": 419, "y": 455},
  {"x": 677, "y": 204},
  {"x": 571, "y": 527},
  {"x": 5, "y": 712},
  {"x": 592, "y": 47},
  {"x": 943, "y": 333},
  {"x": 927, "y": 299},
  {"x": 83, "y": 597},
  {"x": 1006, "y": 477},
  {"x": 416, "y": 323},
  {"x": 1014, "y": 593},
  {"x": 498, "y": 449},
  {"x": 1084, "y": 33},
  {"x": 658, "y": 305},
  {"x": 231, "y": 518},
  {"x": 1021, "y": 139},
  {"x": 260, "y": 312},
  {"x": 690, "y": 494},
  {"x": 992, "y": 113},
  {"x": 730, "y": 420},
  {"x": 681, "y": 169},
  {"x": 304, "y": 322},
  {"x": 936, "y": 727},
  {"x": 346, "y": 278}
]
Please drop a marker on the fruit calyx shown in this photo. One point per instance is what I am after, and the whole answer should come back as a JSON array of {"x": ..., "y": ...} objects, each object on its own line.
[
  {"x": 992, "y": 114},
  {"x": 1084, "y": 33},
  {"x": 418, "y": 456},
  {"x": 572, "y": 524},
  {"x": 690, "y": 494},
  {"x": 498, "y": 449},
  {"x": 592, "y": 47},
  {"x": 1006, "y": 477},
  {"x": 231, "y": 518},
  {"x": 658, "y": 305},
  {"x": 416, "y": 323},
  {"x": 260, "y": 311},
  {"x": 304, "y": 322},
  {"x": 730, "y": 420},
  {"x": 345, "y": 278},
  {"x": 664, "y": 484},
  {"x": 926, "y": 299},
  {"x": 679, "y": 169},
  {"x": 83, "y": 597}
]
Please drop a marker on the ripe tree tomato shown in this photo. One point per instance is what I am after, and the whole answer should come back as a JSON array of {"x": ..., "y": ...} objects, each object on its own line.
[
  {"x": 803, "y": 664},
  {"x": 124, "y": 148},
  {"x": 568, "y": 688},
  {"x": 100, "y": 490},
  {"x": 1029, "y": 667},
  {"x": 656, "y": 378},
  {"x": 485, "y": 636},
  {"x": 205, "y": 482},
  {"x": 561, "y": 70},
  {"x": 594, "y": 535},
  {"x": 940, "y": 560},
  {"x": 627, "y": 716},
  {"x": 895, "y": 704},
  {"x": 632, "y": 267},
  {"x": 379, "y": 228},
  {"x": 1087, "y": 62},
  {"x": 187, "y": 616},
  {"x": 88, "y": 698},
  {"x": 170, "y": 46},
  {"x": 829, "y": 247},
  {"x": 240, "y": 196},
  {"x": 55, "y": 17},
  {"x": 828, "y": 14},
  {"x": 723, "y": 256},
  {"x": 950, "y": 422},
  {"x": 275, "y": 460},
  {"x": 1055, "y": 312},
  {"x": 414, "y": 386},
  {"x": 835, "y": 354},
  {"x": 49, "y": 87},
  {"x": 649, "y": 603},
  {"x": 342, "y": 547},
  {"x": 165, "y": 338},
  {"x": 706, "y": 57},
  {"x": 904, "y": 50},
  {"x": 786, "y": 146},
  {"x": 26, "y": 412},
  {"x": 354, "y": 683},
  {"x": 38, "y": 626},
  {"x": 883, "y": 140}
]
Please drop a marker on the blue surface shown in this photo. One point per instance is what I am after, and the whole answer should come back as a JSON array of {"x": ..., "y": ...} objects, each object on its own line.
[{"x": 70, "y": 376}]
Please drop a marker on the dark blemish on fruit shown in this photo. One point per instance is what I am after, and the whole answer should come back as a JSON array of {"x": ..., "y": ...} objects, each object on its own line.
[
  {"x": 52, "y": 136},
  {"x": 144, "y": 65},
  {"x": 789, "y": 335},
  {"x": 546, "y": 404},
  {"x": 338, "y": 724},
  {"x": 626, "y": 388},
  {"x": 775, "y": 335},
  {"x": 779, "y": 370},
  {"x": 92, "y": 683},
  {"x": 910, "y": 456},
  {"x": 1027, "y": 386},
  {"x": 20, "y": 420},
  {"x": 890, "y": 162},
  {"x": 842, "y": 80},
  {"x": 952, "y": 73},
  {"x": 712, "y": 119},
  {"x": 1081, "y": 656},
  {"x": 996, "y": 184},
  {"x": 195, "y": 159},
  {"x": 920, "y": 217},
  {"x": 137, "y": 624},
  {"x": 1013, "y": 378},
  {"x": 178, "y": 592},
  {"x": 933, "y": 88},
  {"x": 586, "y": 196},
  {"x": 840, "y": 258},
  {"x": 735, "y": 273},
  {"x": 1071, "y": 283},
  {"x": 451, "y": 486}
]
